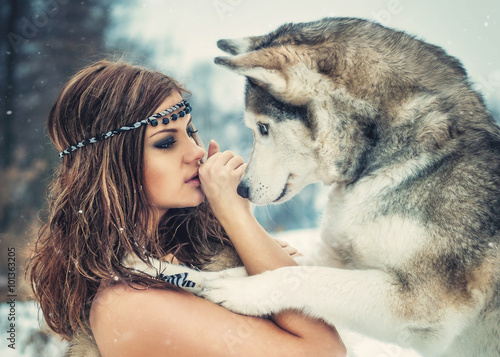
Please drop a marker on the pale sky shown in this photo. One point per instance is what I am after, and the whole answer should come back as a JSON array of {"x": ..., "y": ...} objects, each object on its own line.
[{"x": 468, "y": 30}]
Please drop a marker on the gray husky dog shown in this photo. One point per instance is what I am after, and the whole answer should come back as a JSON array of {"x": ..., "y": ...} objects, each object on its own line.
[
  {"x": 410, "y": 242},
  {"x": 410, "y": 248}
]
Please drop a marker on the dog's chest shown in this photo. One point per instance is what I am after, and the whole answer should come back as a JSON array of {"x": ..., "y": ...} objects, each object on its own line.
[{"x": 361, "y": 238}]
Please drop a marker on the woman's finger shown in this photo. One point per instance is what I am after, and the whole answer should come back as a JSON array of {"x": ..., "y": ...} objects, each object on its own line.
[
  {"x": 217, "y": 160},
  {"x": 292, "y": 251},
  {"x": 213, "y": 148},
  {"x": 235, "y": 162},
  {"x": 221, "y": 159},
  {"x": 282, "y": 243},
  {"x": 240, "y": 170}
]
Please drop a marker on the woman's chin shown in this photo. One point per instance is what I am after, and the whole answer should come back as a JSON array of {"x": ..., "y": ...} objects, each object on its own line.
[{"x": 198, "y": 200}]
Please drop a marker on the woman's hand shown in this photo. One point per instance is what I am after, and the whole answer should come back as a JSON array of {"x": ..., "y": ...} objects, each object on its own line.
[
  {"x": 291, "y": 251},
  {"x": 169, "y": 258},
  {"x": 219, "y": 177}
]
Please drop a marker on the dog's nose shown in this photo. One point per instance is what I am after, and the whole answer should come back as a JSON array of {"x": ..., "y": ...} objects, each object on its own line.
[{"x": 243, "y": 190}]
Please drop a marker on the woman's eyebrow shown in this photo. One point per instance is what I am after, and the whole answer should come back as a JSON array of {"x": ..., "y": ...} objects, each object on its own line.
[
  {"x": 171, "y": 130},
  {"x": 166, "y": 130}
]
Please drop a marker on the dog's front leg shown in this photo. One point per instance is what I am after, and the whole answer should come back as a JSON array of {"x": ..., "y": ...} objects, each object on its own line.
[
  {"x": 368, "y": 301},
  {"x": 179, "y": 275},
  {"x": 323, "y": 256}
]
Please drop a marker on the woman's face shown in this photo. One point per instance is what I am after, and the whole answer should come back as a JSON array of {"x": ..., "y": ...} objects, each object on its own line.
[{"x": 171, "y": 162}]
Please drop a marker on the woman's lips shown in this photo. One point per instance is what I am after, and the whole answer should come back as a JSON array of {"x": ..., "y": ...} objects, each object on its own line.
[{"x": 195, "y": 180}]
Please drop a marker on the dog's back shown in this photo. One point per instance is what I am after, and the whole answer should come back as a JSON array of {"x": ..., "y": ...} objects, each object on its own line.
[{"x": 440, "y": 147}]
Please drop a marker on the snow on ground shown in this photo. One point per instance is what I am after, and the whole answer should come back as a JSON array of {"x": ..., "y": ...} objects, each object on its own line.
[
  {"x": 29, "y": 341},
  {"x": 357, "y": 345}
]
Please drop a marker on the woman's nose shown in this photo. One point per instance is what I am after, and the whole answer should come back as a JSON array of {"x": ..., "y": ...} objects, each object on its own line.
[{"x": 195, "y": 153}]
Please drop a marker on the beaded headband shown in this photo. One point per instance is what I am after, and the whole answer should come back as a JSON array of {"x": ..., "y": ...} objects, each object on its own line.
[{"x": 153, "y": 120}]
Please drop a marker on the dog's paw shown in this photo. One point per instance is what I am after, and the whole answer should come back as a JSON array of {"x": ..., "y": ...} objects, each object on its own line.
[
  {"x": 252, "y": 296},
  {"x": 179, "y": 275},
  {"x": 132, "y": 261},
  {"x": 188, "y": 279}
]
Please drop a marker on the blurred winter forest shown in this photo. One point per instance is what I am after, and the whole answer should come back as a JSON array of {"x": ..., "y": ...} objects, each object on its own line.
[
  {"x": 43, "y": 43},
  {"x": 33, "y": 66}
]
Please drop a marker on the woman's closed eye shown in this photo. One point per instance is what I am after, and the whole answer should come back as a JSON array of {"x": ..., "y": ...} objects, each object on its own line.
[
  {"x": 169, "y": 141},
  {"x": 165, "y": 143}
]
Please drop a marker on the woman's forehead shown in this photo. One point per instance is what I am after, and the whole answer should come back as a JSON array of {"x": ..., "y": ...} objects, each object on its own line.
[
  {"x": 170, "y": 101},
  {"x": 180, "y": 122}
]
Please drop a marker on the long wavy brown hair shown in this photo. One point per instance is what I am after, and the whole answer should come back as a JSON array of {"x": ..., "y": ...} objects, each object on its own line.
[{"x": 97, "y": 208}]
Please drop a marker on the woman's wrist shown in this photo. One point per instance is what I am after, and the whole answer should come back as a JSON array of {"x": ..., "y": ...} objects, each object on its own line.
[{"x": 234, "y": 218}]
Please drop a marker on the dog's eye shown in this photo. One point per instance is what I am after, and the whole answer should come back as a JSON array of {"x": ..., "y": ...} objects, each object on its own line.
[{"x": 263, "y": 128}]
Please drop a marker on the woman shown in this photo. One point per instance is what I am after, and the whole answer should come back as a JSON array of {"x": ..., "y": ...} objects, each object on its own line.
[{"x": 131, "y": 182}]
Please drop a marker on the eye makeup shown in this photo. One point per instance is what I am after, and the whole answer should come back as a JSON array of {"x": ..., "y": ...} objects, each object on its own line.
[{"x": 165, "y": 143}]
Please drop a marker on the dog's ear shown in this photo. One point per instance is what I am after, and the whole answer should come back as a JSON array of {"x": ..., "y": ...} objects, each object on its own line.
[
  {"x": 280, "y": 71},
  {"x": 235, "y": 46},
  {"x": 249, "y": 65},
  {"x": 239, "y": 46}
]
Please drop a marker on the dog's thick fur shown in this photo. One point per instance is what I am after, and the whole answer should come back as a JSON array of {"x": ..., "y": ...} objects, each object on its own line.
[{"x": 411, "y": 233}]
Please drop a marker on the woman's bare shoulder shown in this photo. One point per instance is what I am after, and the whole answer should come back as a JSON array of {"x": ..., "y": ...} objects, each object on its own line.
[
  {"x": 116, "y": 296},
  {"x": 152, "y": 322},
  {"x": 129, "y": 321}
]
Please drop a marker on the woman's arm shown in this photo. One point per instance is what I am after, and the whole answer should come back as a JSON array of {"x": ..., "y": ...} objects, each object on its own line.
[
  {"x": 154, "y": 322},
  {"x": 220, "y": 176}
]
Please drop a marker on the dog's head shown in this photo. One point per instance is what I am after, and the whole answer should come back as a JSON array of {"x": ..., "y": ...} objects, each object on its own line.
[
  {"x": 283, "y": 158},
  {"x": 317, "y": 96},
  {"x": 290, "y": 110}
]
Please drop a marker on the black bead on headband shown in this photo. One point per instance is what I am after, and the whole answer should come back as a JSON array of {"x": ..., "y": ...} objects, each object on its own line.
[{"x": 153, "y": 120}]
